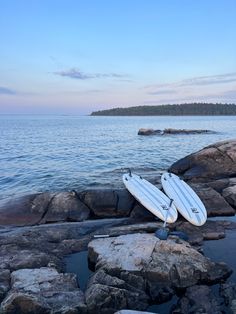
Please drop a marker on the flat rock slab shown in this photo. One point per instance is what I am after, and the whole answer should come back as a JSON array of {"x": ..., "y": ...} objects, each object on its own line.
[
  {"x": 172, "y": 262},
  {"x": 138, "y": 268},
  {"x": 43, "y": 290}
]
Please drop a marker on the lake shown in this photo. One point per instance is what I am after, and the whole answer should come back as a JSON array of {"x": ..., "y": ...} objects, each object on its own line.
[{"x": 56, "y": 153}]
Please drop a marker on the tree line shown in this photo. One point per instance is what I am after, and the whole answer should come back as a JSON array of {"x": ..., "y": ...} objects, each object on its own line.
[{"x": 189, "y": 109}]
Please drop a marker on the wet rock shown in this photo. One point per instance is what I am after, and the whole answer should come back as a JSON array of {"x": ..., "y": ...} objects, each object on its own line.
[
  {"x": 164, "y": 265},
  {"x": 228, "y": 292},
  {"x": 198, "y": 299},
  {"x": 43, "y": 290},
  {"x": 230, "y": 195},
  {"x": 212, "y": 162},
  {"x": 143, "y": 131},
  {"x": 215, "y": 204},
  {"x": 104, "y": 203}
]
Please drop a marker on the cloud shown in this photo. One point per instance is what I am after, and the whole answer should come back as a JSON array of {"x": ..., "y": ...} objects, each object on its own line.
[
  {"x": 75, "y": 73},
  {"x": 210, "y": 80},
  {"x": 163, "y": 92},
  {"x": 7, "y": 91},
  {"x": 194, "y": 82}
]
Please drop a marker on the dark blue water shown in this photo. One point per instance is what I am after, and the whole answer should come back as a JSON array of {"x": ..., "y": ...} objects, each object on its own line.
[{"x": 53, "y": 153}]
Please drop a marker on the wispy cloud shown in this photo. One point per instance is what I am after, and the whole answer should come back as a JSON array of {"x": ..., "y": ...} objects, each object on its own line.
[
  {"x": 77, "y": 74},
  {"x": 210, "y": 80},
  {"x": 7, "y": 91},
  {"x": 163, "y": 92},
  {"x": 196, "y": 81}
]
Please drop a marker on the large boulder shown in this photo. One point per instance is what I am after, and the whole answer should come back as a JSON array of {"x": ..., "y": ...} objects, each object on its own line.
[
  {"x": 43, "y": 290},
  {"x": 215, "y": 203},
  {"x": 43, "y": 208},
  {"x": 149, "y": 265},
  {"x": 107, "y": 202},
  {"x": 212, "y": 162}
]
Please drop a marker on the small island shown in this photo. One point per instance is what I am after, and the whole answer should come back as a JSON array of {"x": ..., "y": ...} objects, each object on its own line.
[{"x": 190, "y": 109}]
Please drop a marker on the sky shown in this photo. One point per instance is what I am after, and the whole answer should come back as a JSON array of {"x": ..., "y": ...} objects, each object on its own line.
[{"x": 74, "y": 56}]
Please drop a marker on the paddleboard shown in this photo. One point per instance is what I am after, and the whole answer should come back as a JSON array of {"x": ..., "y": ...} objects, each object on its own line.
[
  {"x": 150, "y": 197},
  {"x": 185, "y": 199}
]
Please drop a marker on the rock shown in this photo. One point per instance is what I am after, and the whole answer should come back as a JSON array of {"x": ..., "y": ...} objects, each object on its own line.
[
  {"x": 43, "y": 290},
  {"x": 4, "y": 282},
  {"x": 140, "y": 212},
  {"x": 230, "y": 195},
  {"x": 198, "y": 299},
  {"x": 107, "y": 203},
  {"x": 212, "y": 162},
  {"x": 164, "y": 265},
  {"x": 42, "y": 208},
  {"x": 215, "y": 204},
  {"x": 66, "y": 206},
  {"x": 228, "y": 292},
  {"x": 143, "y": 131},
  {"x": 106, "y": 293},
  {"x": 185, "y": 131},
  {"x": 27, "y": 210}
]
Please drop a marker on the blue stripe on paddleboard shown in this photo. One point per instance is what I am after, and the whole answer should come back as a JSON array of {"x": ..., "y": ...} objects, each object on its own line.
[
  {"x": 186, "y": 208},
  {"x": 155, "y": 194},
  {"x": 196, "y": 215},
  {"x": 189, "y": 193},
  {"x": 203, "y": 212},
  {"x": 152, "y": 197}
]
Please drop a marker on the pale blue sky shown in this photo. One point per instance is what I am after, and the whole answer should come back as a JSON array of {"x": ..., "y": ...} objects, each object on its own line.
[{"x": 76, "y": 56}]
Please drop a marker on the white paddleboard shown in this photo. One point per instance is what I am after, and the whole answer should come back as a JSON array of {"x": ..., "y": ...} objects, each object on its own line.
[
  {"x": 185, "y": 199},
  {"x": 150, "y": 197}
]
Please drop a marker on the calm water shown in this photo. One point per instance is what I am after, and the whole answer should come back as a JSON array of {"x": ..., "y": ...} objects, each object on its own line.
[{"x": 53, "y": 153}]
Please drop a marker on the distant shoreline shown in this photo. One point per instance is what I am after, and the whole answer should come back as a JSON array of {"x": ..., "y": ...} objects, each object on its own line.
[{"x": 192, "y": 109}]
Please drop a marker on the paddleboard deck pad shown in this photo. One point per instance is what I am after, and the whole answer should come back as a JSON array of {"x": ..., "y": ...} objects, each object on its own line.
[
  {"x": 185, "y": 199},
  {"x": 150, "y": 197}
]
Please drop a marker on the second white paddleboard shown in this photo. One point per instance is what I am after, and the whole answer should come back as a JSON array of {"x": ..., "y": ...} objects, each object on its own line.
[
  {"x": 150, "y": 197},
  {"x": 185, "y": 199}
]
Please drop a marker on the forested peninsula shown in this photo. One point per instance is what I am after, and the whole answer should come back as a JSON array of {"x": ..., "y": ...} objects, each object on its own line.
[{"x": 190, "y": 109}]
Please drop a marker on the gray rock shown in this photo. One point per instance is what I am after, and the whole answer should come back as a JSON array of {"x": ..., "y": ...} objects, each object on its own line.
[
  {"x": 215, "y": 204},
  {"x": 108, "y": 293},
  {"x": 212, "y": 162},
  {"x": 140, "y": 212},
  {"x": 143, "y": 131},
  {"x": 42, "y": 208},
  {"x": 43, "y": 290},
  {"x": 4, "y": 282},
  {"x": 185, "y": 131},
  {"x": 66, "y": 206},
  {"x": 27, "y": 210},
  {"x": 104, "y": 203},
  {"x": 228, "y": 292},
  {"x": 230, "y": 195},
  {"x": 198, "y": 299},
  {"x": 165, "y": 265}
]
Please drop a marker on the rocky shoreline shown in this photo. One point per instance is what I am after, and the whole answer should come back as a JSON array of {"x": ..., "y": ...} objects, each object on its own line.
[{"x": 132, "y": 267}]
